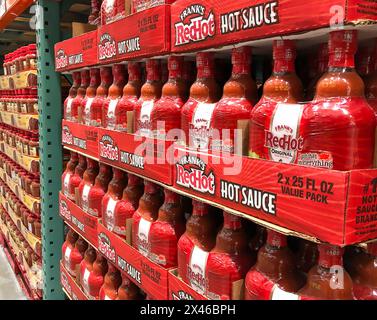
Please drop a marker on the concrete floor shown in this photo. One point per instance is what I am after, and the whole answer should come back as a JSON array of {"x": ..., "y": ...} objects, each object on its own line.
[{"x": 9, "y": 287}]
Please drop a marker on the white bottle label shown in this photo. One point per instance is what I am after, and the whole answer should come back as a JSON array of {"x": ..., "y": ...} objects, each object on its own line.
[
  {"x": 197, "y": 270},
  {"x": 143, "y": 236},
  {"x": 67, "y": 256},
  {"x": 88, "y": 106},
  {"x": 85, "y": 197},
  {"x": 200, "y": 124},
  {"x": 145, "y": 118},
  {"x": 67, "y": 178},
  {"x": 283, "y": 139},
  {"x": 109, "y": 214},
  {"x": 111, "y": 113},
  {"x": 279, "y": 294},
  {"x": 69, "y": 109},
  {"x": 85, "y": 281}
]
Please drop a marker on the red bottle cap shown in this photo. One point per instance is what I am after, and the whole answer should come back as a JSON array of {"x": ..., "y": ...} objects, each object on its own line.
[
  {"x": 342, "y": 48},
  {"x": 106, "y": 75},
  {"x": 134, "y": 71},
  {"x": 276, "y": 239},
  {"x": 231, "y": 221},
  {"x": 175, "y": 66},
  {"x": 94, "y": 77},
  {"x": 119, "y": 72},
  {"x": 205, "y": 60},
  {"x": 153, "y": 67},
  {"x": 134, "y": 180},
  {"x": 284, "y": 55},
  {"x": 330, "y": 255},
  {"x": 241, "y": 55},
  {"x": 76, "y": 78},
  {"x": 85, "y": 78},
  {"x": 199, "y": 208}
]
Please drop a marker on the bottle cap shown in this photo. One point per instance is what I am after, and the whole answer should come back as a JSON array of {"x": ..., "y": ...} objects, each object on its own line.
[
  {"x": 276, "y": 239},
  {"x": 241, "y": 55},
  {"x": 284, "y": 55},
  {"x": 342, "y": 48},
  {"x": 205, "y": 60},
  {"x": 231, "y": 221},
  {"x": 330, "y": 255},
  {"x": 134, "y": 70}
]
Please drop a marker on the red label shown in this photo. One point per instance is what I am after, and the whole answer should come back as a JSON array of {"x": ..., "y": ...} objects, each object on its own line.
[{"x": 178, "y": 290}]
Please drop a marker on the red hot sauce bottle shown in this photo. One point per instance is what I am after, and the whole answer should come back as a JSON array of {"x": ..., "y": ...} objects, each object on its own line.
[
  {"x": 166, "y": 230},
  {"x": 86, "y": 267},
  {"x": 129, "y": 291},
  {"x": 72, "y": 94},
  {"x": 86, "y": 104},
  {"x": 67, "y": 249},
  {"x": 197, "y": 111},
  {"x": 68, "y": 174},
  {"x": 77, "y": 255},
  {"x": 230, "y": 260},
  {"x": 97, "y": 277},
  {"x": 81, "y": 91},
  {"x": 131, "y": 94},
  {"x": 166, "y": 114},
  {"x": 240, "y": 95},
  {"x": 127, "y": 206},
  {"x": 110, "y": 107},
  {"x": 328, "y": 280},
  {"x": 112, "y": 282},
  {"x": 145, "y": 215},
  {"x": 87, "y": 183},
  {"x": 112, "y": 198},
  {"x": 150, "y": 93},
  {"x": 194, "y": 247},
  {"x": 77, "y": 176},
  {"x": 96, "y": 108},
  {"x": 274, "y": 276},
  {"x": 282, "y": 89}
]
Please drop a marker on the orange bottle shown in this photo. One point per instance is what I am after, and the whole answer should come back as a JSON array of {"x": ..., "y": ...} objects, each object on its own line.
[
  {"x": 150, "y": 93},
  {"x": 127, "y": 206},
  {"x": 85, "y": 107},
  {"x": 112, "y": 282},
  {"x": 166, "y": 114},
  {"x": 145, "y": 215},
  {"x": 229, "y": 261},
  {"x": 274, "y": 276},
  {"x": 112, "y": 198},
  {"x": 77, "y": 177},
  {"x": 86, "y": 267},
  {"x": 328, "y": 280},
  {"x": 165, "y": 232},
  {"x": 197, "y": 111},
  {"x": 131, "y": 94},
  {"x": 110, "y": 107}
]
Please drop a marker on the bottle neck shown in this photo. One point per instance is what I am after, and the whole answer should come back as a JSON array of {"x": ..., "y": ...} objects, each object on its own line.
[
  {"x": 241, "y": 68},
  {"x": 282, "y": 66},
  {"x": 103, "y": 176},
  {"x": 85, "y": 79},
  {"x": 205, "y": 73},
  {"x": 276, "y": 239},
  {"x": 199, "y": 209},
  {"x": 231, "y": 222},
  {"x": 330, "y": 256},
  {"x": 95, "y": 79},
  {"x": 119, "y": 74},
  {"x": 106, "y": 77},
  {"x": 341, "y": 59},
  {"x": 151, "y": 188}
]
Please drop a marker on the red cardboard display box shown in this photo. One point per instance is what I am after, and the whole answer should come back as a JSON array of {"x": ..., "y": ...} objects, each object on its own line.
[
  {"x": 77, "y": 52},
  {"x": 143, "y": 156},
  {"x": 70, "y": 285},
  {"x": 331, "y": 206},
  {"x": 207, "y": 24},
  {"x": 179, "y": 290},
  {"x": 83, "y": 223},
  {"x": 80, "y": 137},
  {"x": 140, "y": 35},
  {"x": 150, "y": 277}
]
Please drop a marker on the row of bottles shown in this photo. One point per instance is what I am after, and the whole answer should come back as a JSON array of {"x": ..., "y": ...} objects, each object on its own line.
[
  {"x": 334, "y": 131},
  {"x": 211, "y": 254},
  {"x": 22, "y": 101},
  {"x": 97, "y": 278},
  {"x": 22, "y": 59}
]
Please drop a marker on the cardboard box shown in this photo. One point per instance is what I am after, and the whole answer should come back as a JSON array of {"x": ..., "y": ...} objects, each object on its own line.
[
  {"x": 70, "y": 286},
  {"x": 79, "y": 28}
]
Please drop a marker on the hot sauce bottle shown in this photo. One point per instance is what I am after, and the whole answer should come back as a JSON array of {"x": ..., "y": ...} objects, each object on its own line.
[
  {"x": 113, "y": 280},
  {"x": 282, "y": 89},
  {"x": 94, "y": 17},
  {"x": 328, "y": 280},
  {"x": 240, "y": 95},
  {"x": 86, "y": 104},
  {"x": 72, "y": 94},
  {"x": 81, "y": 91},
  {"x": 96, "y": 108},
  {"x": 363, "y": 270},
  {"x": 127, "y": 206},
  {"x": 165, "y": 232},
  {"x": 77, "y": 177},
  {"x": 98, "y": 191},
  {"x": 258, "y": 240},
  {"x": 150, "y": 93},
  {"x": 166, "y": 114},
  {"x": 230, "y": 260},
  {"x": 112, "y": 197},
  {"x": 306, "y": 256},
  {"x": 274, "y": 276},
  {"x": 96, "y": 277},
  {"x": 67, "y": 249},
  {"x": 145, "y": 215},
  {"x": 323, "y": 61},
  {"x": 337, "y": 130},
  {"x": 77, "y": 256},
  {"x": 131, "y": 94},
  {"x": 86, "y": 267},
  {"x": 87, "y": 183},
  {"x": 197, "y": 111},
  {"x": 129, "y": 291},
  {"x": 68, "y": 174},
  {"x": 194, "y": 247},
  {"x": 110, "y": 107}
]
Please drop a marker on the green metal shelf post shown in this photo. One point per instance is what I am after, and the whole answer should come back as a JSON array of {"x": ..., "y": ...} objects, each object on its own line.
[{"x": 50, "y": 115}]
